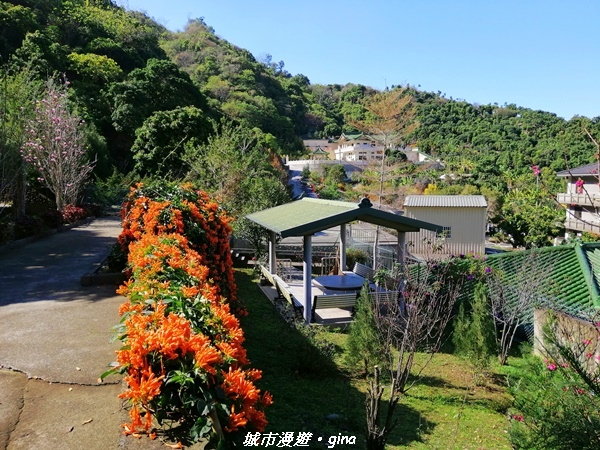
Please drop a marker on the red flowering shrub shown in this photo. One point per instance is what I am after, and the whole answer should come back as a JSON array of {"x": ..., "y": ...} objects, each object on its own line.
[
  {"x": 182, "y": 348},
  {"x": 72, "y": 213}
]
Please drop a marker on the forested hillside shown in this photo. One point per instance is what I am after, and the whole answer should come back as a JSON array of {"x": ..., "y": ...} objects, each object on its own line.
[{"x": 155, "y": 104}]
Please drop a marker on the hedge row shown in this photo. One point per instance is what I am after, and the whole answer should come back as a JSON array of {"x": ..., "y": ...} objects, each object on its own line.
[{"x": 182, "y": 351}]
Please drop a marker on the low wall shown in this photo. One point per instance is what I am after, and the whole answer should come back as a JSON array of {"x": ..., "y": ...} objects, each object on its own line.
[{"x": 581, "y": 335}]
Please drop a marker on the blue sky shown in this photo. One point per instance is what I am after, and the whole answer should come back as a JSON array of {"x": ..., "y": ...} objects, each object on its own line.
[{"x": 539, "y": 54}]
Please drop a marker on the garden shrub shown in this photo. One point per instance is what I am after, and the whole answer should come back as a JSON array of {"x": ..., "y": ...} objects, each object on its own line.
[
  {"x": 72, "y": 213},
  {"x": 111, "y": 191},
  {"x": 329, "y": 192},
  {"x": 52, "y": 218},
  {"x": 553, "y": 408},
  {"x": 116, "y": 260},
  {"x": 182, "y": 350},
  {"x": 26, "y": 226},
  {"x": 7, "y": 230},
  {"x": 354, "y": 255},
  {"x": 473, "y": 334}
]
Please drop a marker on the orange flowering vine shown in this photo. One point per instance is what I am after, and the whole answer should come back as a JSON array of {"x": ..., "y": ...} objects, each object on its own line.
[
  {"x": 182, "y": 343},
  {"x": 183, "y": 210}
]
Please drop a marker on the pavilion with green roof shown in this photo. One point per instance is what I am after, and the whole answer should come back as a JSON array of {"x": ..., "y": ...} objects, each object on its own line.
[
  {"x": 319, "y": 154},
  {"x": 308, "y": 216}
]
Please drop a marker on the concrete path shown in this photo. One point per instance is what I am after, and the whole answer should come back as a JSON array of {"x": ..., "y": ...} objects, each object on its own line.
[{"x": 55, "y": 342}]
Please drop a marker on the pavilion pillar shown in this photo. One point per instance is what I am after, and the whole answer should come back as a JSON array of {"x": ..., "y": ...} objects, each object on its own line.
[
  {"x": 343, "y": 248},
  {"x": 272, "y": 253},
  {"x": 307, "y": 278},
  {"x": 402, "y": 249}
]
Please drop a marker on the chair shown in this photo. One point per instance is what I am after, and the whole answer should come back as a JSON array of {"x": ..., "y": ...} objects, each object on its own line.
[
  {"x": 333, "y": 310},
  {"x": 286, "y": 270}
]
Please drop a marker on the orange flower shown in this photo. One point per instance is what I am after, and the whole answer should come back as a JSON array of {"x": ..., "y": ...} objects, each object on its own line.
[
  {"x": 129, "y": 307},
  {"x": 236, "y": 420},
  {"x": 256, "y": 418},
  {"x": 142, "y": 387},
  {"x": 236, "y": 386},
  {"x": 136, "y": 420},
  {"x": 227, "y": 319},
  {"x": 171, "y": 338},
  {"x": 206, "y": 357},
  {"x": 267, "y": 399},
  {"x": 190, "y": 291}
]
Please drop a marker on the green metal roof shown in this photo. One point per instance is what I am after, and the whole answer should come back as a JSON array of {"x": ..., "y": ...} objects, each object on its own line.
[
  {"x": 572, "y": 273},
  {"x": 309, "y": 215},
  {"x": 352, "y": 136}
]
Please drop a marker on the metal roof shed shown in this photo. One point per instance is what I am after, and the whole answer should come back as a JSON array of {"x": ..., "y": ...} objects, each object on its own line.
[
  {"x": 308, "y": 216},
  {"x": 464, "y": 218}
]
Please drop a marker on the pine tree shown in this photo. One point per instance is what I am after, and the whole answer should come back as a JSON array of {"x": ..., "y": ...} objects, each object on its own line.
[
  {"x": 473, "y": 335},
  {"x": 365, "y": 344}
]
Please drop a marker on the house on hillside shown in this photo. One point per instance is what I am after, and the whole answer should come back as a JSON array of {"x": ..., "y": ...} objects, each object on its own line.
[
  {"x": 415, "y": 156},
  {"x": 464, "y": 218},
  {"x": 564, "y": 279},
  {"x": 358, "y": 147},
  {"x": 581, "y": 200}
]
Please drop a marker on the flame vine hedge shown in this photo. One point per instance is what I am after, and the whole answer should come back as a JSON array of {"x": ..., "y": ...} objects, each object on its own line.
[{"x": 182, "y": 351}]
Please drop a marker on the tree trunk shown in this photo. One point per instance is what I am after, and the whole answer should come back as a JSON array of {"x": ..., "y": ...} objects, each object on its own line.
[{"x": 376, "y": 436}]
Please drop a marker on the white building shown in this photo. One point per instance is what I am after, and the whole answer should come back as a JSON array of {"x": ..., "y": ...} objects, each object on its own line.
[
  {"x": 358, "y": 147},
  {"x": 582, "y": 199}
]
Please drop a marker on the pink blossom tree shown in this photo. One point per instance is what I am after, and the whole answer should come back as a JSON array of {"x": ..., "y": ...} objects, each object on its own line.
[{"x": 55, "y": 146}]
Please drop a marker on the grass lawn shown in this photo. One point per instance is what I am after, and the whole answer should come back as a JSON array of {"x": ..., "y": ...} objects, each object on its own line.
[{"x": 316, "y": 394}]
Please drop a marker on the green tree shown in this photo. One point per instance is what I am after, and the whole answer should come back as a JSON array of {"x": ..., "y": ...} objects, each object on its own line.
[
  {"x": 161, "y": 141},
  {"x": 529, "y": 217},
  {"x": 227, "y": 163},
  {"x": 261, "y": 193},
  {"x": 15, "y": 22},
  {"x": 334, "y": 174},
  {"x": 305, "y": 172},
  {"x": 18, "y": 92},
  {"x": 41, "y": 53},
  {"x": 95, "y": 68},
  {"x": 160, "y": 86},
  {"x": 365, "y": 346},
  {"x": 474, "y": 335}
]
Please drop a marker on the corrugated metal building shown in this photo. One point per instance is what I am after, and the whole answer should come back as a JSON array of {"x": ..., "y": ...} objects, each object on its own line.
[{"x": 462, "y": 216}]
